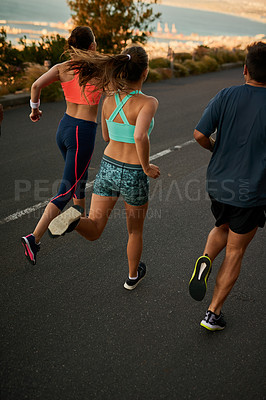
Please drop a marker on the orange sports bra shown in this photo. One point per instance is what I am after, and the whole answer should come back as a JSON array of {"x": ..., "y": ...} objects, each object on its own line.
[{"x": 73, "y": 92}]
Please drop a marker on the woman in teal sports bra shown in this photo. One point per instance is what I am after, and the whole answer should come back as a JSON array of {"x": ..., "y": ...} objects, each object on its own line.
[{"x": 127, "y": 121}]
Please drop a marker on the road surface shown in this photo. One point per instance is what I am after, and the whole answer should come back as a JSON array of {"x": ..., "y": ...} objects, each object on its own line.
[{"x": 69, "y": 330}]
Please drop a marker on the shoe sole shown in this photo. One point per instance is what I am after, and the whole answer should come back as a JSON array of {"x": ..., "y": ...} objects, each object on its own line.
[
  {"x": 211, "y": 327},
  {"x": 28, "y": 252},
  {"x": 198, "y": 281},
  {"x": 60, "y": 224}
]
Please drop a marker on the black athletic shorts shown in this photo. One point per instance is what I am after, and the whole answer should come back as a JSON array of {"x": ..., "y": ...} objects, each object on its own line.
[{"x": 241, "y": 220}]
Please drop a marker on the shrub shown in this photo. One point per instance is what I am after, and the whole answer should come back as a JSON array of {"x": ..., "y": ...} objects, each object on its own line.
[
  {"x": 223, "y": 56},
  {"x": 154, "y": 75},
  {"x": 240, "y": 54},
  {"x": 219, "y": 56},
  {"x": 51, "y": 92},
  {"x": 32, "y": 72},
  {"x": 11, "y": 62},
  {"x": 180, "y": 70},
  {"x": 11, "y": 81},
  {"x": 166, "y": 73},
  {"x": 181, "y": 57},
  {"x": 192, "y": 66},
  {"x": 230, "y": 56},
  {"x": 10, "y": 85},
  {"x": 202, "y": 67},
  {"x": 200, "y": 52},
  {"x": 48, "y": 48},
  {"x": 159, "y": 63},
  {"x": 210, "y": 63}
]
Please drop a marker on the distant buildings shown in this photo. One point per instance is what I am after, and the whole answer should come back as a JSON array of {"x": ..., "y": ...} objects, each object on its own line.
[
  {"x": 166, "y": 28},
  {"x": 164, "y": 37}
]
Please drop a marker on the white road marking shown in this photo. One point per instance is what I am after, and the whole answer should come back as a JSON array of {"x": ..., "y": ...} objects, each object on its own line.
[
  {"x": 36, "y": 207},
  {"x": 161, "y": 154}
]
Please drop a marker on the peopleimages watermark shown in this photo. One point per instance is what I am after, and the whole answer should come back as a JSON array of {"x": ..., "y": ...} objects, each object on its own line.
[
  {"x": 116, "y": 214},
  {"x": 40, "y": 187},
  {"x": 161, "y": 190},
  {"x": 230, "y": 189}
]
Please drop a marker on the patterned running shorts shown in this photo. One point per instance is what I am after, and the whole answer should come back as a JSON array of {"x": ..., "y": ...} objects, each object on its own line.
[{"x": 129, "y": 180}]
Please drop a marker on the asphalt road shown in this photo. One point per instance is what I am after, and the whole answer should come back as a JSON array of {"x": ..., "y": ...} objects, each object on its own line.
[{"x": 69, "y": 330}]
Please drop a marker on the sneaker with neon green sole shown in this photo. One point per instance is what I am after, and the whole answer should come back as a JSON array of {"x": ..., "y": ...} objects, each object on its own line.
[
  {"x": 213, "y": 322},
  {"x": 198, "y": 281}
]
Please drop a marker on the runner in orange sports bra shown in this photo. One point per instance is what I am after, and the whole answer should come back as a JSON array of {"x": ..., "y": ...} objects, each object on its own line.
[
  {"x": 73, "y": 93},
  {"x": 75, "y": 136}
]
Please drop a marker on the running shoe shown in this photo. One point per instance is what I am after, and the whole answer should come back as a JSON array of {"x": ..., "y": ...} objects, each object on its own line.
[
  {"x": 198, "y": 281},
  {"x": 130, "y": 284},
  {"x": 31, "y": 247},
  {"x": 213, "y": 322},
  {"x": 65, "y": 222}
]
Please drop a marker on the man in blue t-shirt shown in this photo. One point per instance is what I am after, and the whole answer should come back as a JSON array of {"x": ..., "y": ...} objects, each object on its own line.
[{"x": 236, "y": 179}]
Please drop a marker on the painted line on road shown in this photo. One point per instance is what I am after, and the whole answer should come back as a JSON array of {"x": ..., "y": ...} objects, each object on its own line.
[
  {"x": 161, "y": 154},
  {"x": 36, "y": 207}
]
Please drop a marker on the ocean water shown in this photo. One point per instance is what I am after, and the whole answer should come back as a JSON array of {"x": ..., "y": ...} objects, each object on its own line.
[
  {"x": 187, "y": 21},
  {"x": 207, "y": 23},
  {"x": 33, "y": 15},
  {"x": 32, "y": 10}
]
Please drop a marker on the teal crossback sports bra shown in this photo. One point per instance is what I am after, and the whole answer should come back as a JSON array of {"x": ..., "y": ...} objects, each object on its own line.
[{"x": 123, "y": 132}]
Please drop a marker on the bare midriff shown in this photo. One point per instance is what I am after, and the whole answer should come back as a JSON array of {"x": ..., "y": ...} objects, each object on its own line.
[
  {"x": 82, "y": 111},
  {"x": 123, "y": 152}
]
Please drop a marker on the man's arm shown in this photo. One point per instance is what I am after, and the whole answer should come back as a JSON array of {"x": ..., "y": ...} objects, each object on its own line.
[{"x": 206, "y": 142}]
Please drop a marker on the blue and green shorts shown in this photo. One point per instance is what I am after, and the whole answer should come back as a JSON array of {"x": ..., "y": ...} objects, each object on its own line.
[{"x": 129, "y": 180}]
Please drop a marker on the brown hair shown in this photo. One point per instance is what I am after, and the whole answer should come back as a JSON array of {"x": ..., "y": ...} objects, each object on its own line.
[
  {"x": 81, "y": 38},
  {"x": 256, "y": 61},
  {"x": 110, "y": 72}
]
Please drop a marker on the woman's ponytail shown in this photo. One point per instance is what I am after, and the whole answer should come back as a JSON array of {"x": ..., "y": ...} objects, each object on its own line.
[{"x": 109, "y": 73}]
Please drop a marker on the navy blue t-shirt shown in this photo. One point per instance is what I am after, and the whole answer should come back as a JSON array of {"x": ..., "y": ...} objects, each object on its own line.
[{"x": 236, "y": 174}]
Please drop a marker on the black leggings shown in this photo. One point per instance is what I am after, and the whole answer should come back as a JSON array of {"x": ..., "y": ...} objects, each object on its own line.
[{"x": 75, "y": 138}]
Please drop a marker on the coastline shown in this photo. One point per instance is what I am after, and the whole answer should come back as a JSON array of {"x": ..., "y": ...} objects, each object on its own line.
[{"x": 163, "y": 38}]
